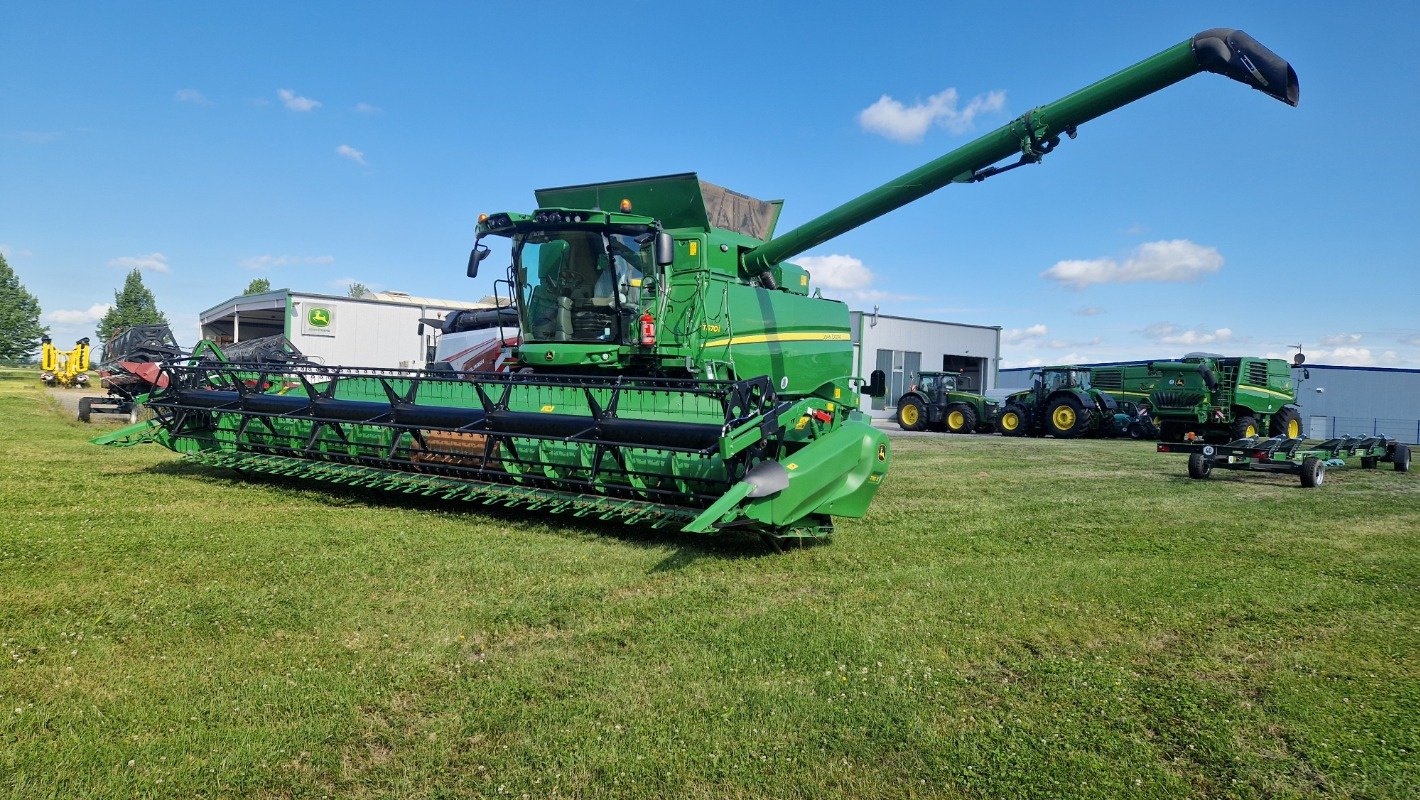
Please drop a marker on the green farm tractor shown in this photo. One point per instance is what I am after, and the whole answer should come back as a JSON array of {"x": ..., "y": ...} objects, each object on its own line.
[
  {"x": 675, "y": 368},
  {"x": 1061, "y": 402},
  {"x": 1222, "y": 399},
  {"x": 933, "y": 402}
]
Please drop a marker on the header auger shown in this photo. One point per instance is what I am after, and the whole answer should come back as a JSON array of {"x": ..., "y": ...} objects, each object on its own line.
[{"x": 674, "y": 367}]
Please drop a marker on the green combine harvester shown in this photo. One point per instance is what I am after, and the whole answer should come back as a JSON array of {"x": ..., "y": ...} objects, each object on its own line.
[
  {"x": 675, "y": 368},
  {"x": 1211, "y": 397}
]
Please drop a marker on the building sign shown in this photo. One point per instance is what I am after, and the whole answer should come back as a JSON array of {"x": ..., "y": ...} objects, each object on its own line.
[{"x": 319, "y": 321}]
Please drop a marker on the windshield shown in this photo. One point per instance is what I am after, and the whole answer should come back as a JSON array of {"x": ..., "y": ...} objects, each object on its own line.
[
  {"x": 1064, "y": 379},
  {"x": 578, "y": 285}
]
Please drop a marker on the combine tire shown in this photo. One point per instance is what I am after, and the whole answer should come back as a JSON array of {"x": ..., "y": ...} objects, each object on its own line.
[
  {"x": 1244, "y": 428},
  {"x": 1012, "y": 421},
  {"x": 84, "y": 408},
  {"x": 910, "y": 415},
  {"x": 1401, "y": 458},
  {"x": 1287, "y": 422},
  {"x": 1067, "y": 419},
  {"x": 1171, "y": 432},
  {"x": 1313, "y": 472},
  {"x": 1199, "y": 466},
  {"x": 960, "y": 418}
]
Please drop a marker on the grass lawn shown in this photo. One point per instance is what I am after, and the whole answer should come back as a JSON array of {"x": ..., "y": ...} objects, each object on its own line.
[{"x": 1015, "y": 618}]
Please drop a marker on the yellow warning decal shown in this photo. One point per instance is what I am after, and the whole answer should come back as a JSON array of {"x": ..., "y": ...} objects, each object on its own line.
[
  {"x": 791, "y": 466},
  {"x": 548, "y": 409},
  {"x": 802, "y": 422}
]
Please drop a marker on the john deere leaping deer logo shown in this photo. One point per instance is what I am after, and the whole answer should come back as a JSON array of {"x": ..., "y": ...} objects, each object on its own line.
[{"x": 318, "y": 317}]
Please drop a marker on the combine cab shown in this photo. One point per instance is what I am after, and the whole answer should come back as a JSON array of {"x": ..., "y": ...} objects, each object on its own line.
[{"x": 674, "y": 368}]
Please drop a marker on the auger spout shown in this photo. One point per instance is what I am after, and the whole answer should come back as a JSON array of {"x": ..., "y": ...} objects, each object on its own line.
[{"x": 1223, "y": 51}]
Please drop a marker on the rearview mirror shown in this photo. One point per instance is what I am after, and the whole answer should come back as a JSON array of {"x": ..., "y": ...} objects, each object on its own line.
[
  {"x": 479, "y": 252},
  {"x": 665, "y": 249},
  {"x": 877, "y": 384},
  {"x": 421, "y": 329}
]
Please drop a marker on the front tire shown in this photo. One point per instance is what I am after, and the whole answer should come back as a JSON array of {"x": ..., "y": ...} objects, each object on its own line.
[
  {"x": 1066, "y": 418},
  {"x": 1012, "y": 421},
  {"x": 960, "y": 418},
  {"x": 1199, "y": 466},
  {"x": 1313, "y": 472},
  {"x": 910, "y": 415},
  {"x": 1286, "y": 422},
  {"x": 1244, "y": 428},
  {"x": 1401, "y": 458}
]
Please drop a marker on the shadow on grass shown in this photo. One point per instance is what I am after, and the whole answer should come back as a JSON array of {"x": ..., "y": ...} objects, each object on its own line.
[{"x": 686, "y": 548}]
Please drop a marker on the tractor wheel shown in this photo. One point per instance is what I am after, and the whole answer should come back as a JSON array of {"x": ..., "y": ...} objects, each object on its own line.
[
  {"x": 1199, "y": 466},
  {"x": 84, "y": 408},
  {"x": 910, "y": 415},
  {"x": 1286, "y": 422},
  {"x": 1067, "y": 419},
  {"x": 1243, "y": 428},
  {"x": 1401, "y": 458},
  {"x": 1313, "y": 472},
  {"x": 1369, "y": 462},
  {"x": 960, "y": 418},
  {"x": 1012, "y": 421}
]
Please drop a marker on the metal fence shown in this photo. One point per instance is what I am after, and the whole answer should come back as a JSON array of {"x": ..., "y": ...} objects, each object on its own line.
[{"x": 1402, "y": 430}]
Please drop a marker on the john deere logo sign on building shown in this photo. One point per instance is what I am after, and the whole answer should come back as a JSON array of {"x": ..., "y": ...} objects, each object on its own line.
[{"x": 320, "y": 321}]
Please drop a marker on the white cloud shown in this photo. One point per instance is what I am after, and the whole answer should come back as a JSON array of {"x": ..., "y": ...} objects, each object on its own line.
[
  {"x": 367, "y": 108},
  {"x": 1020, "y": 335},
  {"x": 1340, "y": 339},
  {"x": 1409, "y": 338},
  {"x": 1011, "y": 363},
  {"x": 271, "y": 262},
  {"x": 153, "y": 262},
  {"x": 1172, "y": 261},
  {"x": 346, "y": 151},
  {"x": 847, "y": 277},
  {"x": 1169, "y": 333},
  {"x": 37, "y": 137},
  {"x": 5, "y": 250},
  {"x": 85, "y": 316},
  {"x": 1089, "y": 311},
  {"x": 295, "y": 102},
  {"x": 1353, "y": 357},
  {"x": 902, "y": 123},
  {"x": 191, "y": 96}
]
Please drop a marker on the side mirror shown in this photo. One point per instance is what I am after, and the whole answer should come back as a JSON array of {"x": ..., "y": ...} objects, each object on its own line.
[
  {"x": 476, "y": 256},
  {"x": 665, "y": 249},
  {"x": 421, "y": 329},
  {"x": 877, "y": 384}
]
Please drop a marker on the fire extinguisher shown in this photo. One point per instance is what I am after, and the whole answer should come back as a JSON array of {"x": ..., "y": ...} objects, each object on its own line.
[{"x": 648, "y": 329}]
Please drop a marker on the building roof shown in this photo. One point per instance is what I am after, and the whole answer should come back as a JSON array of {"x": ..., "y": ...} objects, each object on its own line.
[{"x": 277, "y": 298}]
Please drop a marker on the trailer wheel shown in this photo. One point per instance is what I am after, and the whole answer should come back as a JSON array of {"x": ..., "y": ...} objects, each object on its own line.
[
  {"x": 1067, "y": 419},
  {"x": 84, "y": 408},
  {"x": 1313, "y": 472},
  {"x": 960, "y": 418},
  {"x": 1401, "y": 458},
  {"x": 1244, "y": 428},
  {"x": 1012, "y": 421},
  {"x": 1369, "y": 462},
  {"x": 1286, "y": 422},
  {"x": 1199, "y": 466},
  {"x": 910, "y": 415}
]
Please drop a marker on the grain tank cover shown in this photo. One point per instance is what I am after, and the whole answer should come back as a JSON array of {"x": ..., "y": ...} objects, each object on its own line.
[{"x": 678, "y": 201}]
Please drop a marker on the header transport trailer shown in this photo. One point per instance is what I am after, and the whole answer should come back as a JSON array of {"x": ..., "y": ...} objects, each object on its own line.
[{"x": 675, "y": 367}]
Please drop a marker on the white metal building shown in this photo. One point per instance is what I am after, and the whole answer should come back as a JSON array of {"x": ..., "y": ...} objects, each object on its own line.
[
  {"x": 903, "y": 346},
  {"x": 377, "y": 330}
]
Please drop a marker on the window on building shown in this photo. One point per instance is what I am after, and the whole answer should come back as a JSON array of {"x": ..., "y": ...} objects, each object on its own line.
[{"x": 900, "y": 367}]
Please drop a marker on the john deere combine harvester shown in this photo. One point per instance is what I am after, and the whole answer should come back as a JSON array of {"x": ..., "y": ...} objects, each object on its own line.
[{"x": 675, "y": 367}]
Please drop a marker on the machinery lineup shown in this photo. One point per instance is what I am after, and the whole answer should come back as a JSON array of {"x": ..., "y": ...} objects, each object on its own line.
[{"x": 666, "y": 364}]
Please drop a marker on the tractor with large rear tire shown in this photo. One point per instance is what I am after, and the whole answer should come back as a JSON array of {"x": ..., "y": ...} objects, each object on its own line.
[
  {"x": 1062, "y": 403},
  {"x": 935, "y": 402}
]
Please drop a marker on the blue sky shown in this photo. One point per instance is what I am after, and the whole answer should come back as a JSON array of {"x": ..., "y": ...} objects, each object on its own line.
[{"x": 318, "y": 144}]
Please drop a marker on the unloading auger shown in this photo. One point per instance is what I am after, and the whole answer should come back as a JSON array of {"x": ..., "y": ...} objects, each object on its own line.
[{"x": 674, "y": 368}]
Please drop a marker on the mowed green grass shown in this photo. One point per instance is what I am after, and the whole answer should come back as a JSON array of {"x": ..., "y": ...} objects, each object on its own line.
[{"x": 1015, "y": 618}]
